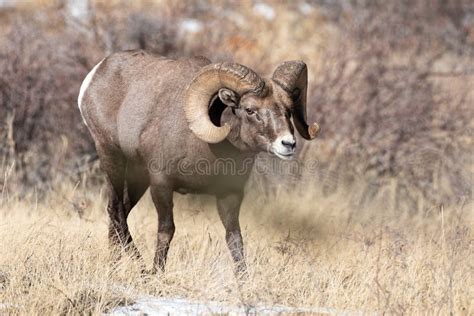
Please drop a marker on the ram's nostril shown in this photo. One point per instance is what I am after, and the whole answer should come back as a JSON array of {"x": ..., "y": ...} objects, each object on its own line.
[{"x": 289, "y": 143}]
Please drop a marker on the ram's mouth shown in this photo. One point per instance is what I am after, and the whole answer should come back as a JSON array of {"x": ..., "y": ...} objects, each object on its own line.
[{"x": 284, "y": 156}]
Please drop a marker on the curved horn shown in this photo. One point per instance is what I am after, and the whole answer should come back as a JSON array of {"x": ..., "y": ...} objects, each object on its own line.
[
  {"x": 292, "y": 76},
  {"x": 206, "y": 85}
]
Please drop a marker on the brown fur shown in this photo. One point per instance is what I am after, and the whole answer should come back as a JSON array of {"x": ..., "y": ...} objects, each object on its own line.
[{"x": 134, "y": 110}]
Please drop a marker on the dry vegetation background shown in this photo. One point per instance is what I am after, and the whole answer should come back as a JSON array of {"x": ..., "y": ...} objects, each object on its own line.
[{"x": 382, "y": 224}]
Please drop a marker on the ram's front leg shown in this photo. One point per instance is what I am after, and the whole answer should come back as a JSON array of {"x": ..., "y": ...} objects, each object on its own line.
[
  {"x": 228, "y": 206},
  {"x": 162, "y": 197}
]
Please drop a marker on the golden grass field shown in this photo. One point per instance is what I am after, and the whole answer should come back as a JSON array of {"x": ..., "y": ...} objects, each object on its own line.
[
  {"x": 311, "y": 249},
  {"x": 301, "y": 251}
]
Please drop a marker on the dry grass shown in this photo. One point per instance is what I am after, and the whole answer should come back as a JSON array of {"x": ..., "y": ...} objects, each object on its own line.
[
  {"x": 358, "y": 240},
  {"x": 305, "y": 252}
]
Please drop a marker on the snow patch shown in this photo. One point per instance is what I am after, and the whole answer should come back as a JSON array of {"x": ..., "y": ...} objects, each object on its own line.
[
  {"x": 177, "y": 306},
  {"x": 6, "y": 306},
  {"x": 8, "y": 3},
  {"x": 191, "y": 26},
  {"x": 79, "y": 9},
  {"x": 305, "y": 8},
  {"x": 264, "y": 10}
]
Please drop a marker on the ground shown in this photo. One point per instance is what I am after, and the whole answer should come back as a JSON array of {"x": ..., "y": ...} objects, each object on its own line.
[{"x": 302, "y": 251}]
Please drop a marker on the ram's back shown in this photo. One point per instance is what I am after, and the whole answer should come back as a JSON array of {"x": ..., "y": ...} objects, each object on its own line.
[{"x": 132, "y": 94}]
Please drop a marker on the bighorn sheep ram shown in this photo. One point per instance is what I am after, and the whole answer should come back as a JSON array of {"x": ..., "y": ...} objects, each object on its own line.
[{"x": 146, "y": 113}]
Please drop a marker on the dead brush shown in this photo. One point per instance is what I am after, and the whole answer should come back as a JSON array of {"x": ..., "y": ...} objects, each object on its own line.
[
  {"x": 394, "y": 105},
  {"x": 386, "y": 114}
]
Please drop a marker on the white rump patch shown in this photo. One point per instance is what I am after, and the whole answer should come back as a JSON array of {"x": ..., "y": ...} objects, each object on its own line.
[{"x": 85, "y": 84}]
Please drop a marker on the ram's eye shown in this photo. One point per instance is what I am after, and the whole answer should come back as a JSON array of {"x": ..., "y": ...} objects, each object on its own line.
[{"x": 249, "y": 111}]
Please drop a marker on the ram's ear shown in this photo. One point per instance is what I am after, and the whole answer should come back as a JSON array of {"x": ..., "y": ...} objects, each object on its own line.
[{"x": 229, "y": 97}]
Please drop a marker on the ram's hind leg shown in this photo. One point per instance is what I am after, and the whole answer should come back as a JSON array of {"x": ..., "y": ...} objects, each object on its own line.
[
  {"x": 114, "y": 165},
  {"x": 136, "y": 183}
]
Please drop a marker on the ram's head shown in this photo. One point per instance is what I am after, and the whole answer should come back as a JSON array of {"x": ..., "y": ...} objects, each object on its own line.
[{"x": 263, "y": 108}]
